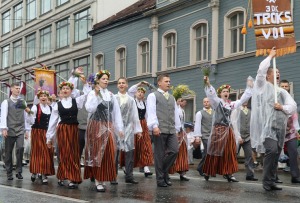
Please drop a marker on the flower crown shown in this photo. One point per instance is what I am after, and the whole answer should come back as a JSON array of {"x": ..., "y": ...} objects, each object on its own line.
[
  {"x": 64, "y": 83},
  {"x": 142, "y": 89},
  {"x": 40, "y": 92},
  {"x": 220, "y": 89},
  {"x": 102, "y": 72}
]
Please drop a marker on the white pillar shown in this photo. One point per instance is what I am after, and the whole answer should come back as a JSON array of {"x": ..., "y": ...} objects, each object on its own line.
[
  {"x": 154, "y": 27},
  {"x": 214, "y": 4}
]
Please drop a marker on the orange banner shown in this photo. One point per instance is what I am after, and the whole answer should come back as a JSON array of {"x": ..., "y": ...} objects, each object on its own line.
[{"x": 45, "y": 79}]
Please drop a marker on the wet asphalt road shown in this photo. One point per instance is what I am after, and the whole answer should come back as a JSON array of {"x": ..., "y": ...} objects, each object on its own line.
[{"x": 216, "y": 190}]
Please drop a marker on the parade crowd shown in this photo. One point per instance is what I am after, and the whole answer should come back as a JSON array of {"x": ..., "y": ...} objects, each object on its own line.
[{"x": 127, "y": 130}]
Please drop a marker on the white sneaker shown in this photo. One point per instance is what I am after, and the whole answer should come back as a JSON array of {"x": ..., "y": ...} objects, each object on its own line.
[{"x": 146, "y": 169}]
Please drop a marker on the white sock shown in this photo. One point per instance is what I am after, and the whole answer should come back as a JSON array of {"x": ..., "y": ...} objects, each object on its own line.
[{"x": 146, "y": 169}]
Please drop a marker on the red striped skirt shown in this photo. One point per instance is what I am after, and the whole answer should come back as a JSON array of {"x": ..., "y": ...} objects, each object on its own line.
[
  {"x": 143, "y": 154},
  {"x": 107, "y": 170},
  {"x": 69, "y": 158},
  {"x": 41, "y": 157},
  {"x": 181, "y": 163},
  {"x": 226, "y": 164}
]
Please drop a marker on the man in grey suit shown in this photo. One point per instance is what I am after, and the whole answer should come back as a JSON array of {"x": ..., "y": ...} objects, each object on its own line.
[
  {"x": 163, "y": 121},
  {"x": 13, "y": 129}
]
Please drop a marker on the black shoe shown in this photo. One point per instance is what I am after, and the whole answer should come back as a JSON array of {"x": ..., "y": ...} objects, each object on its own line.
[
  {"x": 60, "y": 183},
  {"x": 71, "y": 185},
  {"x": 148, "y": 174},
  {"x": 251, "y": 178},
  {"x": 92, "y": 179},
  {"x": 19, "y": 176},
  {"x": 168, "y": 182},
  {"x": 183, "y": 178},
  {"x": 114, "y": 182},
  {"x": 132, "y": 181},
  {"x": 10, "y": 177},
  {"x": 278, "y": 181},
  {"x": 267, "y": 187},
  {"x": 230, "y": 178},
  {"x": 275, "y": 187},
  {"x": 206, "y": 177},
  {"x": 33, "y": 177},
  {"x": 100, "y": 188},
  {"x": 295, "y": 180},
  {"x": 162, "y": 184}
]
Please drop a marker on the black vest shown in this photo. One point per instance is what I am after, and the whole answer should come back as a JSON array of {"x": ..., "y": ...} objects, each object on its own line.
[
  {"x": 142, "y": 112},
  {"x": 68, "y": 116},
  {"x": 41, "y": 120}
]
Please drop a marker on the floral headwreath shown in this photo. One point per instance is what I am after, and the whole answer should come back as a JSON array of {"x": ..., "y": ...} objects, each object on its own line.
[
  {"x": 40, "y": 92},
  {"x": 142, "y": 89},
  {"x": 64, "y": 83},
  {"x": 220, "y": 89},
  {"x": 102, "y": 72}
]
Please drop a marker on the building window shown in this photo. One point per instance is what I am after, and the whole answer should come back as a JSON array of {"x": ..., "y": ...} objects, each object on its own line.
[
  {"x": 82, "y": 25},
  {"x": 29, "y": 91},
  {"x": 30, "y": 46},
  {"x": 17, "y": 52},
  {"x": 5, "y": 56},
  {"x": 18, "y": 15},
  {"x": 234, "y": 41},
  {"x": 143, "y": 57},
  {"x": 31, "y": 10},
  {"x": 45, "y": 40},
  {"x": 63, "y": 71},
  {"x": 100, "y": 61},
  {"x": 6, "y": 22},
  {"x": 85, "y": 64},
  {"x": 121, "y": 62},
  {"x": 60, "y": 2},
  {"x": 199, "y": 42},
  {"x": 62, "y": 33},
  {"x": 45, "y": 6},
  {"x": 169, "y": 49},
  {"x": 4, "y": 94}
]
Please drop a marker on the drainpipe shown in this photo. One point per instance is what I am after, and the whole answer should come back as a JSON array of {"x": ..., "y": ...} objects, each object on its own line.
[
  {"x": 154, "y": 27},
  {"x": 214, "y": 4}
]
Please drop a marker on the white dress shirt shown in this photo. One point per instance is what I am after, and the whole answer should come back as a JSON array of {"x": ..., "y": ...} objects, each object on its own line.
[{"x": 152, "y": 120}]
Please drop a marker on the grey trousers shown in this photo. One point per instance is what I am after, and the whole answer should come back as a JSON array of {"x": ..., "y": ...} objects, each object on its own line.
[
  {"x": 165, "y": 153},
  {"x": 129, "y": 156},
  {"x": 248, "y": 158},
  {"x": 203, "y": 156},
  {"x": 10, "y": 142},
  {"x": 270, "y": 161},
  {"x": 293, "y": 157}
]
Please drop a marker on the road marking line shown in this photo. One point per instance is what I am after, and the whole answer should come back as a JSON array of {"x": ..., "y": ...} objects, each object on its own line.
[{"x": 42, "y": 193}]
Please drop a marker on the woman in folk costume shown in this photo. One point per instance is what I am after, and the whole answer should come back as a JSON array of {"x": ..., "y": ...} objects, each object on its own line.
[
  {"x": 65, "y": 112},
  {"x": 41, "y": 159},
  {"x": 143, "y": 154},
  {"x": 221, "y": 150},
  {"x": 181, "y": 164},
  {"x": 104, "y": 124}
]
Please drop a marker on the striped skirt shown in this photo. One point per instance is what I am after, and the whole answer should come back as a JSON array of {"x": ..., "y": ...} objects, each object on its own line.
[
  {"x": 143, "y": 154},
  {"x": 107, "y": 170},
  {"x": 225, "y": 164},
  {"x": 181, "y": 163},
  {"x": 69, "y": 158},
  {"x": 41, "y": 157}
]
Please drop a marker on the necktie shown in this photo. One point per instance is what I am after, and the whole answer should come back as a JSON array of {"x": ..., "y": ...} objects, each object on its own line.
[
  {"x": 166, "y": 94},
  {"x": 208, "y": 111},
  {"x": 245, "y": 110}
]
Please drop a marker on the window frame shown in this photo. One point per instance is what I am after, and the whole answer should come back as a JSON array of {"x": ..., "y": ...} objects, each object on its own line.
[
  {"x": 140, "y": 54},
  {"x": 193, "y": 44},
  {"x": 42, "y": 36},
  {"x": 227, "y": 32},
  {"x": 118, "y": 61},
  {"x": 42, "y": 7},
  {"x": 100, "y": 66},
  {"x": 87, "y": 68},
  {"x": 17, "y": 49},
  {"x": 29, "y": 91},
  {"x": 16, "y": 9},
  {"x": 58, "y": 71},
  {"x": 77, "y": 24},
  {"x": 27, "y": 57},
  {"x": 28, "y": 4},
  {"x": 3, "y": 53},
  {"x": 58, "y": 29},
  {"x": 165, "y": 46},
  {"x": 6, "y": 22}
]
